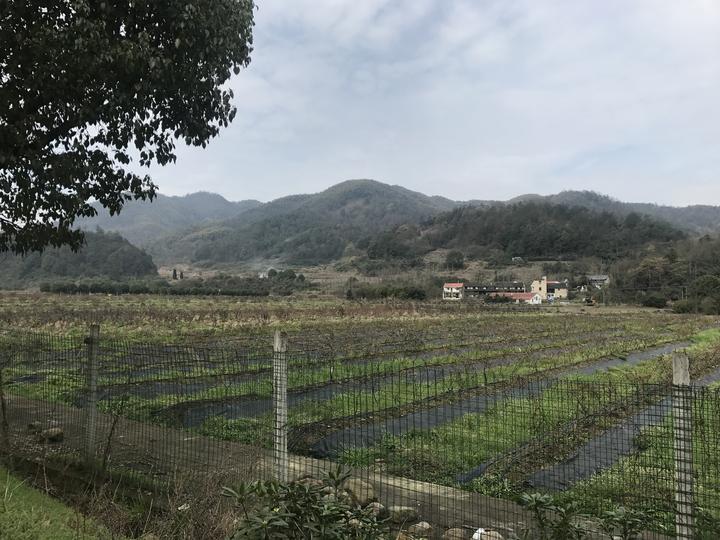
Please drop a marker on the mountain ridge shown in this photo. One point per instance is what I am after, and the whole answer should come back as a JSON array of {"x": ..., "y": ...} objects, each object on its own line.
[
  {"x": 323, "y": 226},
  {"x": 304, "y": 228},
  {"x": 142, "y": 222}
]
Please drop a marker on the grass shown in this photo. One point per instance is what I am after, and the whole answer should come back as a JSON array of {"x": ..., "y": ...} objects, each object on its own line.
[
  {"x": 28, "y": 514},
  {"x": 396, "y": 340},
  {"x": 63, "y": 385},
  {"x": 404, "y": 391},
  {"x": 573, "y": 410},
  {"x": 401, "y": 391},
  {"x": 443, "y": 453},
  {"x": 646, "y": 480}
]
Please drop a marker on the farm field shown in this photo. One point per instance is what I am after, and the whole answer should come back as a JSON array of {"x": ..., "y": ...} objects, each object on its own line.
[{"x": 493, "y": 400}]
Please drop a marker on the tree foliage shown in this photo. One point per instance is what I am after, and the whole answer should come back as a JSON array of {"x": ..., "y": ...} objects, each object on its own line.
[
  {"x": 686, "y": 272},
  {"x": 528, "y": 230},
  {"x": 546, "y": 230},
  {"x": 105, "y": 255},
  {"x": 455, "y": 260},
  {"x": 85, "y": 86},
  {"x": 307, "y": 229}
]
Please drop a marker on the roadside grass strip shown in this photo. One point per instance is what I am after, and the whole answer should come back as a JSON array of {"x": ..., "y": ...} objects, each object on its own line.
[{"x": 28, "y": 514}]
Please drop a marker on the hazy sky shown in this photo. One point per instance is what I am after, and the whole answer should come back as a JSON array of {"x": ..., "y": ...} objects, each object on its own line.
[{"x": 473, "y": 99}]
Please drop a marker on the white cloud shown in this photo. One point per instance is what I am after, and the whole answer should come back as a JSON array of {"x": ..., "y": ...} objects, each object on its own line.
[{"x": 489, "y": 98}]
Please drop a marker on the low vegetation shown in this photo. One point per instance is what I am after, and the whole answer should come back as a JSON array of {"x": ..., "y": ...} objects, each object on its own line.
[
  {"x": 28, "y": 514},
  {"x": 467, "y": 388}
]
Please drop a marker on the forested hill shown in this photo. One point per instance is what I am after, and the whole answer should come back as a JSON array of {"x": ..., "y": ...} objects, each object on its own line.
[
  {"x": 317, "y": 228},
  {"x": 144, "y": 222},
  {"x": 527, "y": 230},
  {"x": 105, "y": 255},
  {"x": 699, "y": 219},
  {"x": 304, "y": 229}
]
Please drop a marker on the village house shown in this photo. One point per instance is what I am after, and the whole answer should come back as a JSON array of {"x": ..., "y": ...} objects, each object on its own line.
[
  {"x": 550, "y": 290},
  {"x": 473, "y": 290},
  {"x": 598, "y": 281},
  {"x": 453, "y": 291},
  {"x": 522, "y": 297},
  {"x": 458, "y": 291}
]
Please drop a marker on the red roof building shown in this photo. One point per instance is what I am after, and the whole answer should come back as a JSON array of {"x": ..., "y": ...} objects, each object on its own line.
[{"x": 453, "y": 291}]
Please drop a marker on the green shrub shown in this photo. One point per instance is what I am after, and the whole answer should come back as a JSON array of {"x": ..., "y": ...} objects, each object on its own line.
[
  {"x": 683, "y": 306},
  {"x": 710, "y": 305},
  {"x": 561, "y": 519},
  {"x": 455, "y": 260},
  {"x": 654, "y": 301},
  {"x": 302, "y": 510}
]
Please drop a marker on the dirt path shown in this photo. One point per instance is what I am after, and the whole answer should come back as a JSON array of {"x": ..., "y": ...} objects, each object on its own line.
[{"x": 159, "y": 452}]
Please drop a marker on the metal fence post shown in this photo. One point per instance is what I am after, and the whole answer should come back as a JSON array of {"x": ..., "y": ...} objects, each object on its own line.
[
  {"x": 682, "y": 437},
  {"x": 91, "y": 379},
  {"x": 280, "y": 405}
]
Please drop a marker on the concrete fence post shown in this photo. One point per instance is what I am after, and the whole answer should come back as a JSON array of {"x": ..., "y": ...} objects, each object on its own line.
[
  {"x": 280, "y": 405},
  {"x": 91, "y": 382},
  {"x": 683, "y": 448}
]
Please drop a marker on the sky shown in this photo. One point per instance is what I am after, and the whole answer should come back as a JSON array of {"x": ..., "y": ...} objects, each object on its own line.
[{"x": 472, "y": 99}]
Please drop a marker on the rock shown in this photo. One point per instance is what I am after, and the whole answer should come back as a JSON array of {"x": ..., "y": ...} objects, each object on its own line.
[
  {"x": 354, "y": 523},
  {"x": 35, "y": 427},
  {"x": 377, "y": 510},
  {"x": 455, "y": 534},
  {"x": 402, "y": 514},
  {"x": 422, "y": 529},
  {"x": 362, "y": 492},
  {"x": 55, "y": 434},
  {"x": 483, "y": 534}
]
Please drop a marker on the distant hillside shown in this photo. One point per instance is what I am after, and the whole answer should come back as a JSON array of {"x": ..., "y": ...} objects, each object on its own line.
[
  {"x": 105, "y": 255},
  {"x": 700, "y": 219},
  {"x": 528, "y": 229},
  {"x": 205, "y": 228},
  {"x": 144, "y": 222},
  {"x": 304, "y": 229}
]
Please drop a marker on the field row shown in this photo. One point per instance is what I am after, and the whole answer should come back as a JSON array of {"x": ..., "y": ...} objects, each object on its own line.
[{"x": 488, "y": 402}]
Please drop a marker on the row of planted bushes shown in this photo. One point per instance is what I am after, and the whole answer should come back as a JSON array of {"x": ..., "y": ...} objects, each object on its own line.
[
  {"x": 376, "y": 291},
  {"x": 147, "y": 287}
]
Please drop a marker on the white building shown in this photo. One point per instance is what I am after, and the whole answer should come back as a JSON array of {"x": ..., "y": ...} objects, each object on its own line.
[
  {"x": 453, "y": 291},
  {"x": 550, "y": 290},
  {"x": 598, "y": 280}
]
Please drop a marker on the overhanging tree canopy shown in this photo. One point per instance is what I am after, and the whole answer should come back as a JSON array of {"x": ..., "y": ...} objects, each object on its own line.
[{"x": 84, "y": 84}]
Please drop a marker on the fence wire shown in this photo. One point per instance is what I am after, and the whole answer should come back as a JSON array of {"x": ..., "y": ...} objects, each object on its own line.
[{"x": 464, "y": 441}]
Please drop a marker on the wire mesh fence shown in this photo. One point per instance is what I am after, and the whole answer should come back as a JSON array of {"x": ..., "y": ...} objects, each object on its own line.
[{"x": 462, "y": 441}]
